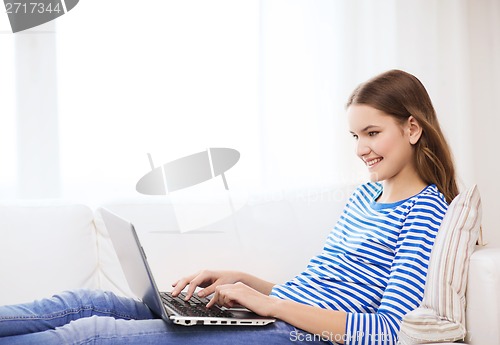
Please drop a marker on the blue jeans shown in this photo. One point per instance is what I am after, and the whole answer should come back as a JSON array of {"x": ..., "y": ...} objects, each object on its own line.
[{"x": 97, "y": 317}]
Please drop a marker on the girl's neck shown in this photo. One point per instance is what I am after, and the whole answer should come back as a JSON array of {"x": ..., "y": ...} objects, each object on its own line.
[{"x": 395, "y": 191}]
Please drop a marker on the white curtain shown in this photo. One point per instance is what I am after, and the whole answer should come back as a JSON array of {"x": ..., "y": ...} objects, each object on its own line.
[
  {"x": 7, "y": 115},
  {"x": 268, "y": 78}
]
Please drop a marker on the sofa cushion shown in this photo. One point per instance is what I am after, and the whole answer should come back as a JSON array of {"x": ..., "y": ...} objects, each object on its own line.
[
  {"x": 441, "y": 317},
  {"x": 48, "y": 246}
]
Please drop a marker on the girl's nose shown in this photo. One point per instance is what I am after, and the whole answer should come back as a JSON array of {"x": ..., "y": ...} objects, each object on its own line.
[{"x": 362, "y": 149}]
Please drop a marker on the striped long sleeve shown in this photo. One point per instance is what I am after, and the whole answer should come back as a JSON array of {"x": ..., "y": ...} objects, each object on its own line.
[{"x": 374, "y": 263}]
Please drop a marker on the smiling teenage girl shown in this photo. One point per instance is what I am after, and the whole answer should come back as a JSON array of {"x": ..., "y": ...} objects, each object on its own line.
[
  {"x": 370, "y": 273},
  {"x": 404, "y": 102}
]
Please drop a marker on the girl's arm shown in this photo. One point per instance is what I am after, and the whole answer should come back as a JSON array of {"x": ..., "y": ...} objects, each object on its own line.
[
  {"x": 256, "y": 283},
  {"x": 209, "y": 280},
  {"x": 329, "y": 324}
]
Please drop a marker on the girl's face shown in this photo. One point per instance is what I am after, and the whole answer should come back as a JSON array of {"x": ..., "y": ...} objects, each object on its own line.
[{"x": 382, "y": 143}]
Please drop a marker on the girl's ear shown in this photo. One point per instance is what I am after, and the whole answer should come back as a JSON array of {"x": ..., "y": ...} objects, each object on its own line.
[{"x": 415, "y": 130}]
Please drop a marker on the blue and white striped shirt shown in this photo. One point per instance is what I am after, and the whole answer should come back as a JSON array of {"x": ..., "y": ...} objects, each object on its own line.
[{"x": 374, "y": 263}]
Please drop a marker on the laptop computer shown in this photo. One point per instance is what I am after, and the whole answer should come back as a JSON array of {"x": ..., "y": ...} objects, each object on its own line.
[{"x": 173, "y": 309}]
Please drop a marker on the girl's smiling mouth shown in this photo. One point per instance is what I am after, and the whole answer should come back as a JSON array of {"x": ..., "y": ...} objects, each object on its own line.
[{"x": 372, "y": 161}]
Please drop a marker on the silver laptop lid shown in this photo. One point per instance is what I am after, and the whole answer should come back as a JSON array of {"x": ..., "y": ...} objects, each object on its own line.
[{"x": 133, "y": 261}]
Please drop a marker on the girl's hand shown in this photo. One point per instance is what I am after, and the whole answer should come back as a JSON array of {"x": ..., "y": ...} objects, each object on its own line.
[
  {"x": 238, "y": 293},
  {"x": 208, "y": 280}
]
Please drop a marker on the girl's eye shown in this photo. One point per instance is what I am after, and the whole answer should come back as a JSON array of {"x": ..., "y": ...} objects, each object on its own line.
[
  {"x": 372, "y": 134},
  {"x": 355, "y": 137}
]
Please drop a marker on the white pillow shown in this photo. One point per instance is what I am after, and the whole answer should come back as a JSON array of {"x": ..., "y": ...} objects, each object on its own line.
[{"x": 441, "y": 316}]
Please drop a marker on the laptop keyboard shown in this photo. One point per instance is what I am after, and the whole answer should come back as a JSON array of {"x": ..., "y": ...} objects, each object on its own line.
[{"x": 196, "y": 306}]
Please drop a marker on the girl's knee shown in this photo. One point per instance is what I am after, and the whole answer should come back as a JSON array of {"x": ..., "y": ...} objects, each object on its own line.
[{"x": 84, "y": 330}]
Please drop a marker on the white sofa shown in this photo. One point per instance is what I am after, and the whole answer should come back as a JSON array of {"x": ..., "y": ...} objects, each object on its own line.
[{"x": 49, "y": 246}]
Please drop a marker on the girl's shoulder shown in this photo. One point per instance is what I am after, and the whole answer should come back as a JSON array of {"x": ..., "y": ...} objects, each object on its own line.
[
  {"x": 431, "y": 198},
  {"x": 431, "y": 192}
]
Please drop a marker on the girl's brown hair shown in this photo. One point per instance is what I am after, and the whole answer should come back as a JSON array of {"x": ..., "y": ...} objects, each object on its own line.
[{"x": 401, "y": 95}]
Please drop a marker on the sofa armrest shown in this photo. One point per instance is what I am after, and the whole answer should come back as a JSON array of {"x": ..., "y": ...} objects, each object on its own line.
[
  {"x": 483, "y": 297},
  {"x": 47, "y": 246}
]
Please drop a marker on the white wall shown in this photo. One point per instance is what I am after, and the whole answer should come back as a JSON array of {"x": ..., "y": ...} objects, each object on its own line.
[{"x": 484, "y": 17}]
